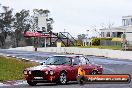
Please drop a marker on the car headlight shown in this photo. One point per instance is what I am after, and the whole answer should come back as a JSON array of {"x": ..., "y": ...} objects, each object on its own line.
[
  {"x": 29, "y": 72},
  {"x": 25, "y": 72},
  {"x": 51, "y": 72},
  {"x": 46, "y": 72},
  {"x": 100, "y": 66}
]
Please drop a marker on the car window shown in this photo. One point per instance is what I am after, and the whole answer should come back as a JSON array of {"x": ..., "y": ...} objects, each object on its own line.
[
  {"x": 58, "y": 60},
  {"x": 87, "y": 61},
  {"x": 76, "y": 61},
  {"x": 67, "y": 61},
  {"x": 82, "y": 60}
]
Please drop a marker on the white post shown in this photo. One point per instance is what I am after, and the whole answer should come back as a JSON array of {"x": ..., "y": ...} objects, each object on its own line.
[{"x": 45, "y": 42}]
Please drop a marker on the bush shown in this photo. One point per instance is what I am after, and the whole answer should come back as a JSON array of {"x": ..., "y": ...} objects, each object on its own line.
[{"x": 96, "y": 41}]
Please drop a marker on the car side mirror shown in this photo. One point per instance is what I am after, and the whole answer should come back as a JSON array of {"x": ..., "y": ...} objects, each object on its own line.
[{"x": 41, "y": 63}]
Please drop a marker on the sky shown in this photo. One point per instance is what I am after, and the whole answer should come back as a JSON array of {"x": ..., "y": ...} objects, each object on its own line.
[{"x": 77, "y": 16}]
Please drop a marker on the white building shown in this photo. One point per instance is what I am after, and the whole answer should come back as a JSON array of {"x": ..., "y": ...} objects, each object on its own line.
[
  {"x": 126, "y": 29},
  {"x": 87, "y": 42}
]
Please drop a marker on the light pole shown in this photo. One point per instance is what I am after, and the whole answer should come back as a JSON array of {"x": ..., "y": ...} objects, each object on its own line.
[
  {"x": 64, "y": 30},
  {"x": 124, "y": 40}
]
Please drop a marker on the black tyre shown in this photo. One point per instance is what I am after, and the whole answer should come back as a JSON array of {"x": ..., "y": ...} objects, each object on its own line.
[
  {"x": 31, "y": 83},
  {"x": 62, "y": 78},
  {"x": 94, "y": 72}
]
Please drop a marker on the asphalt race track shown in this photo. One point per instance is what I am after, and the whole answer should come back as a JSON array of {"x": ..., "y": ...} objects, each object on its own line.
[{"x": 110, "y": 65}]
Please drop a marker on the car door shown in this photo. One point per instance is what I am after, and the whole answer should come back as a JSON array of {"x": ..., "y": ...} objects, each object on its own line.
[
  {"x": 86, "y": 65},
  {"x": 74, "y": 68}
]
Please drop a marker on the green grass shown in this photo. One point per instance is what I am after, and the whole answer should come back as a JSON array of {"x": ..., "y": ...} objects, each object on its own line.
[
  {"x": 12, "y": 69},
  {"x": 103, "y": 47}
]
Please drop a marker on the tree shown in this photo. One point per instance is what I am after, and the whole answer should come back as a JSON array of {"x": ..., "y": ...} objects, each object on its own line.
[
  {"x": 45, "y": 13},
  {"x": 81, "y": 37},
  {"x": 34, "y": 22},
  {"x": 6, "y": 19},
  {"x": 49, "y": 24},
  {"x": 21, "y": 24},
  {"x": 2, "y": 40},
  {"x": 15, "y": 26}
]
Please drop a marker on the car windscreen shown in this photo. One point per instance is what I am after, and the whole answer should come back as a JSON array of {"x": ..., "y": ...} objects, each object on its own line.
[{"x": 58, "y": 60}]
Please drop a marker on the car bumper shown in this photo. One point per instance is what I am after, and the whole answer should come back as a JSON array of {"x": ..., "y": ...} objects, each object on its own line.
[
  {"x": 100, "y": 71},
  {"x": 45, "y": 79}
]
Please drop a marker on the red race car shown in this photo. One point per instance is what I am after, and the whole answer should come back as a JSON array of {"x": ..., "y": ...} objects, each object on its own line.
[{"x": 60, "y": 69}]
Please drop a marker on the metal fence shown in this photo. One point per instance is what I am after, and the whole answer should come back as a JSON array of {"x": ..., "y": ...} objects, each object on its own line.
[
  {"x": 109, "y": 43},
  {"x": 125, "y": 46}
]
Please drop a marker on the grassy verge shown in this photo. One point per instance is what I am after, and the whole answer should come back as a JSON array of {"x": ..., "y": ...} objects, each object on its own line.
[
  {"x": 103, "y": 47},
  {"x": 12, "y": 69}
]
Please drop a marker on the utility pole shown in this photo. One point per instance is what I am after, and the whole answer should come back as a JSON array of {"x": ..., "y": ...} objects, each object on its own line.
[
  {"x": 64, "y": 30},
  {"x": 87, "y": 37}
]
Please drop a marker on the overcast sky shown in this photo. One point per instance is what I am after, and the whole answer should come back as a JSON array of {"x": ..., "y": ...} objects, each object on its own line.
[{"x": 77, "y": 16}]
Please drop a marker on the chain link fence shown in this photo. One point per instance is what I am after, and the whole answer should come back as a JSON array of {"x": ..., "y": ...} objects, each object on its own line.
[
  {"x": 109, "y": 43},
  {"x": 125, "y": 46}
]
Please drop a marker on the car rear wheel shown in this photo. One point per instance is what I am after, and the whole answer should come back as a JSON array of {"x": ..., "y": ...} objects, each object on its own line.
[
  {"x": 31, "y": 83},
  {"x": 62, "y": 78}
]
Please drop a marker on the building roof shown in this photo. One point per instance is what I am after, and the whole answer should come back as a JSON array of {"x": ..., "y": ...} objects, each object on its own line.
[
  {"x": 68, "y": 55},
  {"x": 114, "y": 29},
  {"x": 127, "y": 17}
]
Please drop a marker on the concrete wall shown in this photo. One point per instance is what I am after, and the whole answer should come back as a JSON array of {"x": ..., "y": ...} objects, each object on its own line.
[
  {"x": 28, "y": 48},
  {"x": 85, "y": 51}
]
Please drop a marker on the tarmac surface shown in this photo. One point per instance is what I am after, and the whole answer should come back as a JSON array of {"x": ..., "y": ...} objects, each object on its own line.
[{"x": 110, "y": 65}]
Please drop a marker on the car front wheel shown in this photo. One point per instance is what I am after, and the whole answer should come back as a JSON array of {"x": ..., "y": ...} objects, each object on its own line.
[
  {"x": 31, "y": 83},
  {"x": 62, "y": 78}
]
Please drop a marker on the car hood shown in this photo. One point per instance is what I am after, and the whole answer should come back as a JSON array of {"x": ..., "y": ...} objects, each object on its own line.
[
  {"x": 45, "y": 67},
  {"x": 96, "y": 65}
]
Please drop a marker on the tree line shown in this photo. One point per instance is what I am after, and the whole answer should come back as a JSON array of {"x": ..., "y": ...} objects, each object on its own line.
[{"x": 13, "y": 25}]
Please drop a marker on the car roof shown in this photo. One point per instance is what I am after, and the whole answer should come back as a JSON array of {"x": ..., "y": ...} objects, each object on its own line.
[{"x": 69, "y": 55}]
